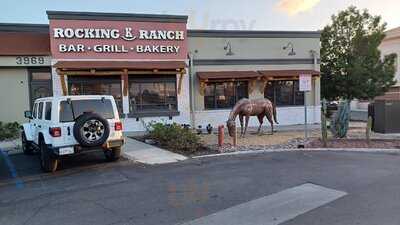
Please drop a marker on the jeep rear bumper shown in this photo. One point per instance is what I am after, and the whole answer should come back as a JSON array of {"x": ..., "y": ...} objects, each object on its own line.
[{"x": 77, "y": 149}]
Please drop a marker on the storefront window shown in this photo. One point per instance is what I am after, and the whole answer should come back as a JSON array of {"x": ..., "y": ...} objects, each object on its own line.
[
  {"x": 152, "y": 94},
  {"x": 223, "y": 95},
  {"x": 284, "y": 93},
  {"x": 104, "y": 85}
]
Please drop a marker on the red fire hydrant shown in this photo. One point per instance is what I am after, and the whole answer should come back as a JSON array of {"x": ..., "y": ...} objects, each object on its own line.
[{"x": 220, "y": 135}]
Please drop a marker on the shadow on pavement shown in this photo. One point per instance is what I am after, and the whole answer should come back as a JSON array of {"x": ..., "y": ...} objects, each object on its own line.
[{"x": 28, "y": 166}]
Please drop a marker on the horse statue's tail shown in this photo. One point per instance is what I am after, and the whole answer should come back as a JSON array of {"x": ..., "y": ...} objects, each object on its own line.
[{"x": 274, "y": 112}]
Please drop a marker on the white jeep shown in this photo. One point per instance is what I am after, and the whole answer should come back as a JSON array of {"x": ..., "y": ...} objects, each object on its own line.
[{"x": 66, "y": 125}]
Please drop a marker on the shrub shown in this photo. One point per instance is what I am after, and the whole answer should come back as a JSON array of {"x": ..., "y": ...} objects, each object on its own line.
[
  {"x": 9, "y": 130},
  {"x": 174, "y": 137}
]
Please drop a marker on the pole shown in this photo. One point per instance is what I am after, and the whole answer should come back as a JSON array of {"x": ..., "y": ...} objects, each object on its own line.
[
  {"x": 220, "y": 135},
  {"x": 305, "y": 116}
]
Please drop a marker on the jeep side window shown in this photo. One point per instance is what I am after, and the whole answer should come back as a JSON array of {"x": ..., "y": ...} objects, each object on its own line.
[
  {"x": 40, "y": 111},
  {"x": 47, "y": 111},
  {"x": 34, "y": 110}
]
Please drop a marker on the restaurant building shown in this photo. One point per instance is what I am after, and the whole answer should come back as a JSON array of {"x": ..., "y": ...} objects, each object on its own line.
[{"x": 157, "y": 69}]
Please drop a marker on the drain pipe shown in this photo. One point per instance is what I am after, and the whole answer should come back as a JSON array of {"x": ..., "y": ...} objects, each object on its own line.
[{"x": 191, "y": 91}]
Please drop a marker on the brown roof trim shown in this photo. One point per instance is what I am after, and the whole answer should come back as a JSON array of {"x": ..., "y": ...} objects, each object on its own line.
[
  {"x": 215, "y": 75},
  {"x": 145, "y": 65},
  {"x": 253, "y": 34},
  {"x": 27, "y": 43},
  {"x": 287, "y": 73},
  {"x": 68, "y": 15},
  {"x": 389, "y": 96}
]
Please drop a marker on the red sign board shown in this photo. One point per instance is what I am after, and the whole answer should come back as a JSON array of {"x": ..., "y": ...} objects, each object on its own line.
[{"x": 127, "y": 40}]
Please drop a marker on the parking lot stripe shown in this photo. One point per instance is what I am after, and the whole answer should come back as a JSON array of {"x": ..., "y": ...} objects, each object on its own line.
[
  {"x": 11, "y": 168},
  {"x": 273, "y": 209}
]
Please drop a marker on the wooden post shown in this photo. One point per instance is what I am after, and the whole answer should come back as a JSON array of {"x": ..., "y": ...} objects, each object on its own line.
[
  {"x": 125, "y": 79},
  {"x": 63, "y": 85},
  {"x": 180, "y": 82}
]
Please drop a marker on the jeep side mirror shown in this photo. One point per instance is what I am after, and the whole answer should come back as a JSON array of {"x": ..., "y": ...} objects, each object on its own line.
[{"x": 28, "y": 114}]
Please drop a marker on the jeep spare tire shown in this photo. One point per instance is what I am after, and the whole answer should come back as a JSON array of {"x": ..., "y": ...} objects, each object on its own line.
[{"x": 91, "y": 130}]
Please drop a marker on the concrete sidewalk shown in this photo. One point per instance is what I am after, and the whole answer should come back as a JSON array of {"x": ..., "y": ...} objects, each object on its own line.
[{"x": 148, "y": 154}]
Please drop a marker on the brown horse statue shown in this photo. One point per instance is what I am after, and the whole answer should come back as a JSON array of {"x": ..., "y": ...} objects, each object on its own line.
[{"x": 245, "y": 108}]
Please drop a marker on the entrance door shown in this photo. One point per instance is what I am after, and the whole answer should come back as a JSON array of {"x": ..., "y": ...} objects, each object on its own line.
[{"x": 40, "y": 84}]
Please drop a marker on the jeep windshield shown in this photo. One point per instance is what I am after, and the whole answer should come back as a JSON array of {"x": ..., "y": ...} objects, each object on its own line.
[{"x": 70, "y": 110}]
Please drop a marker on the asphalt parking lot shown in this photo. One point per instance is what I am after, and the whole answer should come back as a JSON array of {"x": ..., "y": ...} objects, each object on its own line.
[{"x": 87, "y": 190}]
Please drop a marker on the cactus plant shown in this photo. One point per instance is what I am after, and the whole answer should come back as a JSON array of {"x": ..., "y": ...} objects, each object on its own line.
[{"x": 340, "y": 121}]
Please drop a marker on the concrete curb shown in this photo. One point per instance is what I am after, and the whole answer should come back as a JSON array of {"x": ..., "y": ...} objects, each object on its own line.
[{"x": 362, "y": 150}]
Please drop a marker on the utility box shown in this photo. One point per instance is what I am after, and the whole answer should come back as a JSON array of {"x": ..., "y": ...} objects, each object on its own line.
[{"x": 386, "y": 116}]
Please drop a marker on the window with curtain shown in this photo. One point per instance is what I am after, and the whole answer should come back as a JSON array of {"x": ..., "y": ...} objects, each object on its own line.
[
  {"x": 154, "y": 94},
  {"x": 97, "y": 85},
  {"x": 284, "y": 93},
  {"x": 224, "y": 95}
]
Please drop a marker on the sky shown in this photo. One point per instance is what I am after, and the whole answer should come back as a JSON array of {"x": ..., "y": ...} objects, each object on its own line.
[{"x": 211, "y": 14}]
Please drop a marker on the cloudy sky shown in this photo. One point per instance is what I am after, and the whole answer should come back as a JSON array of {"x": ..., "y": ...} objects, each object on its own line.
[{"x": 211, "y": 14}]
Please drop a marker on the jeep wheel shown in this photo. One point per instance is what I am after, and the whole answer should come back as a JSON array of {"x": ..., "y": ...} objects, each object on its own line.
[
  {"x": 47, "y": 163},
  {"x": 112, "y": 154},
  {"x": 26, "y": 145},
  {"x": 91, "y": 130}
]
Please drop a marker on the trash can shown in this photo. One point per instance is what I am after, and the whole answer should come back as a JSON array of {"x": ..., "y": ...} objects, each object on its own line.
[{"x": 386, "y": 116}]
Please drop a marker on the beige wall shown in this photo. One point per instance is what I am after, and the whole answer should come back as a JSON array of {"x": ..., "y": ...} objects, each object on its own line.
[
  {"x": 252, "y": 48},
  {"x": 14, "y": 94}
]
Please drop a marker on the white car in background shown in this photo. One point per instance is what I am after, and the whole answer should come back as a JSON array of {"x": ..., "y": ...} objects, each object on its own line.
[{"x": 67, "y": 125}]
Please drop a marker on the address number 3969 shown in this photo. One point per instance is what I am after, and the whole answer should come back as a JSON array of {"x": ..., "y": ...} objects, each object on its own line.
[{"x": 29, "y": 60}]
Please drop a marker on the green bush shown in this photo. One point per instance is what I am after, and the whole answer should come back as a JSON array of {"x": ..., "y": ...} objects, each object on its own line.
[
  {"x": 9, "y": 130},
  {"x": 174, "y": 137}
]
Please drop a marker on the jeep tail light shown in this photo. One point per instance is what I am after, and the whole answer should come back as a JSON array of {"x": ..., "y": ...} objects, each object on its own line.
[
  {"x": 55, "y": 131},
  {"x": 118, "y": 126}
]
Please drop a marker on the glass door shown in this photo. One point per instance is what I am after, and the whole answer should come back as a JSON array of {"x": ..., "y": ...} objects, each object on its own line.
[{"x": 40, "y": 84}]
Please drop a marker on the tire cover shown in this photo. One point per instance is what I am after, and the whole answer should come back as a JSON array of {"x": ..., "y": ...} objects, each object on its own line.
[{"x": 79, "y": 130}]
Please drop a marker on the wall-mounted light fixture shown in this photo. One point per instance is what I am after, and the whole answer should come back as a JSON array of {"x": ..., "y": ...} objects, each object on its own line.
[
  {"x": 291, "y": 47},
  {"x": 228, "y": 49}
]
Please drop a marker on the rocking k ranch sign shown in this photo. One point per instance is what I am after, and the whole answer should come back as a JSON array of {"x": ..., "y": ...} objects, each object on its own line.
[{"x": 117, "y": 40}]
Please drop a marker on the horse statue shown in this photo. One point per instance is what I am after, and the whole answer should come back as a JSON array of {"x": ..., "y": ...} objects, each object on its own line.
[{"x": 245, "y": 108}]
